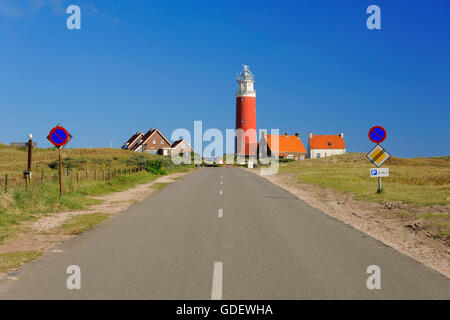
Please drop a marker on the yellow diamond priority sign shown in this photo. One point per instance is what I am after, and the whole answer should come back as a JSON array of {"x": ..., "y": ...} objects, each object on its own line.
[{"x": 378, "y": 155}]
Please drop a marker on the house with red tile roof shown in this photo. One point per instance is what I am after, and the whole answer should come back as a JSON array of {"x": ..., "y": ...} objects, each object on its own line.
[
  {"x": 152, "y": 142},
  {"x": 320, "y": 146},
  {"x": 282, "y": 146},
  {"x": 181, "y": 146},
  {"x": 135, "y": 138}
]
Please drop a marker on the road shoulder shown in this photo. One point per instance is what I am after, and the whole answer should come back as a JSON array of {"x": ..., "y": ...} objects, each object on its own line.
[{"x": 371, "y": 218}]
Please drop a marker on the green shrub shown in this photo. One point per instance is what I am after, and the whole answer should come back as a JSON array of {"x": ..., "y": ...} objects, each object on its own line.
[
  {"x": 69, "y": 163},
  {"x": 156, "y": 166},
  {"x": 137, "y": 160}
]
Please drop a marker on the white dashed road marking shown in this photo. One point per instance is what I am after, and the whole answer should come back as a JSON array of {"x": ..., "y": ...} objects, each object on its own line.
[{"x": 216, "y": 292}]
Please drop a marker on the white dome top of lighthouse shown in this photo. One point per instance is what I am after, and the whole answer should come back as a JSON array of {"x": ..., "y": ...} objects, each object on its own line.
[{"x": 246, "y": 74}]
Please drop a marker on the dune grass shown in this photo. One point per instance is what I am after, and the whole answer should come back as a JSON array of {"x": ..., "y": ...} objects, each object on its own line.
[
  {"x": 421, "y": 181},
  {"x": 21, "y": 204}
]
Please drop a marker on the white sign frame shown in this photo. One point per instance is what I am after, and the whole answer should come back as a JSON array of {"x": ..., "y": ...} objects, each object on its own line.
[{"x": 379, "y": 172}]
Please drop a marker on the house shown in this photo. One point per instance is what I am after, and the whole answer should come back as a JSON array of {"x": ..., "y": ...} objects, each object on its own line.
[
  {"x": 181, "y": 146},
  {"x": 289, "y": 147},
  {"x": 152, "y": 142},
  {"x": 135, "y": 138},
  {"x": 326, "y": 145}
]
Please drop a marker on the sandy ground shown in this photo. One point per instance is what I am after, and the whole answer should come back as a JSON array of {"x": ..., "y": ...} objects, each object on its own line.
[
  {"x": 376, "y": 219},
  {"x": 41, "y": 234}
]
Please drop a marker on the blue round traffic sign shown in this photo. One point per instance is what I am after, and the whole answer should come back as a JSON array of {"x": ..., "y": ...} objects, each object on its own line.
[
  {"x": 377, "y": 134},
  {"x": 58, "y": 136}
]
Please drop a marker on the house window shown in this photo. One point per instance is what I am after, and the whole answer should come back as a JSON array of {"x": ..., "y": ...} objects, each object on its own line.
[
  {"x": 243, "y": 98},
  {"x": 162, "y": 141},
  {"x": 329, "y": 144},
  {"x": 302, "y": 157},
  {"x": 154, "y": 141},
  {"x": 318, "y": 155},
  {"x": 242, "y": 120}
]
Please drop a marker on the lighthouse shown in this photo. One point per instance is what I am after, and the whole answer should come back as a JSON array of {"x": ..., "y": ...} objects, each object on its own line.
[{"x": 246, "y": 138}]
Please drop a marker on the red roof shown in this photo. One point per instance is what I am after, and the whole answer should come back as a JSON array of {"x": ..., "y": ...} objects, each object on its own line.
[
  {"x": 134, "y": 138},
  {"x": 176, "y": 143},
  {"x": 286, "y": 143},
  {"x": 327, "y": 142}
]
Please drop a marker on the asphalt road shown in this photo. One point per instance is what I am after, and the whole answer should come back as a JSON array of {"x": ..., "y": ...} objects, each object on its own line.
[{"x": 224, "y": 233}]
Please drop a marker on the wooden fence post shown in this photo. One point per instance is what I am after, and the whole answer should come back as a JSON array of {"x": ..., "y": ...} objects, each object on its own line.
[
  {"x": 109, "y": 174},
  {"x": 103, "y": 175},
  {"x": 87, "y": 174},
  {"x": 6, "y": 182},
  {"x": 42, "y": 175},
  {"x": 78, "y": 177},
  {"x": 95, "y": 174}
]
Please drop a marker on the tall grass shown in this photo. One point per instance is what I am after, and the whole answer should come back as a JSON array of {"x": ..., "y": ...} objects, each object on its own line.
[
  {"x": 422, "y": 181},
  {"x": 21, "y": 204}
]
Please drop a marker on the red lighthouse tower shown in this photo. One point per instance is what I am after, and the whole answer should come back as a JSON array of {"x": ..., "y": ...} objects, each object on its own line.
[{"x": 246, "y": 138}]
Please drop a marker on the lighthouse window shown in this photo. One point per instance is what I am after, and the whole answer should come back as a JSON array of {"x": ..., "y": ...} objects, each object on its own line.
[
  {"x": 242, "y": 120},
  {"x": 243, "y": 99}
]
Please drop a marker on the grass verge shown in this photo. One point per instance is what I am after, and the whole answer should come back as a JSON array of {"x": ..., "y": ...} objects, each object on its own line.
[
  {"x": 422, "y": 181},
  {"x": 79, "y": 224},
  {"x": 13, "y": 260}
]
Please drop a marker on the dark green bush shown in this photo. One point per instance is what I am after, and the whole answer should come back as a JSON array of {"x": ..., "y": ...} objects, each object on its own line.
[
  {"x": 156, "y": 166},
  {"x": 69, "y": 163},
  {"x": 137, "y": 160}
]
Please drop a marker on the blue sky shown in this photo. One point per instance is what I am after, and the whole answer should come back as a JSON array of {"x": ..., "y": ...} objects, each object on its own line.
[{"x": 141, "y": 64}]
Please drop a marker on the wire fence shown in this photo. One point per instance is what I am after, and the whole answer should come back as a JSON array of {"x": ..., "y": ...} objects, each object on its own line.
[{"x": 73, "y": 175}]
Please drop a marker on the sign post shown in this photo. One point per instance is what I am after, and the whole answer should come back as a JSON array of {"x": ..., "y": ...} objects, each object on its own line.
[
  {"x": 59, "y": 137},
  {"x": 378, "y": 155},
  {"x": 27, "y": 173}
]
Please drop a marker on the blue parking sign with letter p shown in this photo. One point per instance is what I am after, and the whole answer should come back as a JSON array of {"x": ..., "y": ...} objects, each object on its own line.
[{"x": 373, "y": 172}]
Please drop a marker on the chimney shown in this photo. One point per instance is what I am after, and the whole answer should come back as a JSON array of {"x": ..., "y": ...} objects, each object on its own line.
[
  {"x": 341, "y": 135},
  {"x": 310, "y": 135},
  {"x": 297, "y": 135}
]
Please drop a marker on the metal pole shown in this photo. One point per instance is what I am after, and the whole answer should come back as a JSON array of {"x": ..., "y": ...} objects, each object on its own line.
[
  {"x": 30, "y": 147},
  {"x": 60, "y": 173},
  {"x": 379, "y": 185}
]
